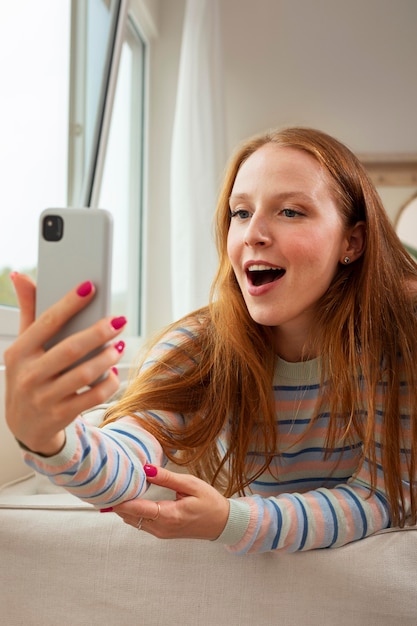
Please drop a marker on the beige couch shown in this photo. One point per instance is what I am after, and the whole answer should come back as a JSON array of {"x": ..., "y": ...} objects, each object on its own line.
[{"x": 63, "y": 563}]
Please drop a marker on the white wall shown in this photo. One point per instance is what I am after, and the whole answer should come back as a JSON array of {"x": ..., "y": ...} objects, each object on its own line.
[{"x": 347, "y": 67}]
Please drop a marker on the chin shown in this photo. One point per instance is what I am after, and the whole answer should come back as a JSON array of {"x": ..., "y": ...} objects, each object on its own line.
[{"x": 263, "y": 318}]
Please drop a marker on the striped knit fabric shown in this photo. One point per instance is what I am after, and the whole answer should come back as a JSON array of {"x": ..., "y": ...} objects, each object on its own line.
[{"x": 310, "y": 498}]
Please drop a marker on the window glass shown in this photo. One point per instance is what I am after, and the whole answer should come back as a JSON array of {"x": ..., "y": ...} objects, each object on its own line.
[
  {"x": 93, "y": 26},
  {"x": 34, "y": 66}
]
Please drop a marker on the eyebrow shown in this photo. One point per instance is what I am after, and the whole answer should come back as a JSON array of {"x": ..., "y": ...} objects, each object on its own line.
[{"x": 283, "y": 195}]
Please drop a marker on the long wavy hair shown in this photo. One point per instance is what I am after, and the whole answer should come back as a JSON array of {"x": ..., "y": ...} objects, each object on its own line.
[{"x": 365, "y": 333}]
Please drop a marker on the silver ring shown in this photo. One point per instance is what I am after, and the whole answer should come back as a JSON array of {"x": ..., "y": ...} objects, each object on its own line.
[
  {"x": 158, "y": 512},
  {"x": 139, "y": 524}
]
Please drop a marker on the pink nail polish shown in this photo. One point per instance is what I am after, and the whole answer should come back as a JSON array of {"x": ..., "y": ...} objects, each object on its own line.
[
  {"x": 108, "y": 509},
  {"x": 150, "y": 470},
  {"x": 118, "y": 322},
  {"x": 85, "y": 289},
  {"x": 120, "y": 346},
  {"x": 115, "y": 370},
  {"x": 13, "y": 275}
]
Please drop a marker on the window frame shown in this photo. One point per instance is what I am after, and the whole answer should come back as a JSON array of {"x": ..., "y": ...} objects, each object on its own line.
[{"x": 137, "y": 179}]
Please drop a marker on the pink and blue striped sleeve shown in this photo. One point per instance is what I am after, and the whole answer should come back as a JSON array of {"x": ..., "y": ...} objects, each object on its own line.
[
  {"x": 323, "y": 518},
  {"x": 102, "y": 466}
]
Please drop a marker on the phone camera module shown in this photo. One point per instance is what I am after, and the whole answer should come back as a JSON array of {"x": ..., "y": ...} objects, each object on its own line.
[{"x": 53, "y": 227}]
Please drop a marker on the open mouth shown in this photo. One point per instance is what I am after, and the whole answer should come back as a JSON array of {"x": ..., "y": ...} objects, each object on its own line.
[{"x": 263, "y": 274}]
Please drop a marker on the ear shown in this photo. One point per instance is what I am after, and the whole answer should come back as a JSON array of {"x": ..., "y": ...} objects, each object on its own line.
[{"x": 354, "y": 243}]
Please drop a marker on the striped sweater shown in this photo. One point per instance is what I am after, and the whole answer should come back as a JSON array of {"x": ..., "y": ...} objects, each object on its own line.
[{"x": 311, "y": 497}]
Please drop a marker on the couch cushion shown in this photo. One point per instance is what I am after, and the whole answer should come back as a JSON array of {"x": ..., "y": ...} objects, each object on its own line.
[{"x": 83, "y": 567}]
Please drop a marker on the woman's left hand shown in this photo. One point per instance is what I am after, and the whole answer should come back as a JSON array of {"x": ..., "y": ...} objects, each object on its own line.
[{"x": 198, "y": 512}]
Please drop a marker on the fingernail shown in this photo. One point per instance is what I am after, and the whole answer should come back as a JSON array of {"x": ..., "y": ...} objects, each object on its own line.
[
  {"x": 13, "y": 275},
  {"x": 120, "y": 346},
  {"x": 150, "y": 470},
  {"x": 118, "y": 322},
  {"x": 115, "y": 370},
  {"x": 109, "y": 509},
  {"x": 85, "y": 289}
]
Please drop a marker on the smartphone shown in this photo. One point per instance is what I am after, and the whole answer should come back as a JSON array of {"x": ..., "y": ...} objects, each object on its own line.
[{"x": 74, "y": 245}]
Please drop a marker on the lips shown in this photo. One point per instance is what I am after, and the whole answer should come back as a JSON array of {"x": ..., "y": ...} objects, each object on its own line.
[{"x": 260, "y": 274}]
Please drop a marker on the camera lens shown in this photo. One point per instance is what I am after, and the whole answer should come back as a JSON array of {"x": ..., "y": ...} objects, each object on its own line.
[{"x": 52, "y": 227}]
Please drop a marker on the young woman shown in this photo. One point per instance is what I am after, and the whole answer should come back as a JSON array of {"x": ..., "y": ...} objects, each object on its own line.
[{"x": 291, "y": 399}]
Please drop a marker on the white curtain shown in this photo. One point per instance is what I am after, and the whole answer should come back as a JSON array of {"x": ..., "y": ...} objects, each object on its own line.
[{"x": 197, "y": 157}]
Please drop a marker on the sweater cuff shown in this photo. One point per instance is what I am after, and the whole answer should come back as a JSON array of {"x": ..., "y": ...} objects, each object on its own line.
[
  {"x": 237, "y": 523},
  {"x": 65, "y": 455}
]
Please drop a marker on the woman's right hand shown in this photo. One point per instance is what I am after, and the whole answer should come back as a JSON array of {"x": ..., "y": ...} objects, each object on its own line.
[{"x": 41, "y": 397}]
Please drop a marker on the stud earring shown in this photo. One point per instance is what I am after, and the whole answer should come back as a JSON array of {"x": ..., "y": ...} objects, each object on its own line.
[{"x": 346, "y": 260}]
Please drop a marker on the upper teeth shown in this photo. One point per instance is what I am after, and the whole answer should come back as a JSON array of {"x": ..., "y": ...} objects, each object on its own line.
[{"x": 261, "y": 268}]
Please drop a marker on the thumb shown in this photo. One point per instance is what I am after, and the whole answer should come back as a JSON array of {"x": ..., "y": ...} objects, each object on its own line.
[
  {"x": 183, "y": 484},
  {"x": 25, "y": 291}
]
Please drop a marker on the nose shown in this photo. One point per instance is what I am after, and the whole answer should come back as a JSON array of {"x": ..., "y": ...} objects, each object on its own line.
[{"x": 258, "y": 231}]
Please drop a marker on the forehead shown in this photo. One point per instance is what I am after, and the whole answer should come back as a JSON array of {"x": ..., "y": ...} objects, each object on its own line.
[{"x": 283, "y": 167}]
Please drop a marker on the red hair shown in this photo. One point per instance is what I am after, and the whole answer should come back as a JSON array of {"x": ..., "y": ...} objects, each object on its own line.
[{"x": 365, "y": 332}]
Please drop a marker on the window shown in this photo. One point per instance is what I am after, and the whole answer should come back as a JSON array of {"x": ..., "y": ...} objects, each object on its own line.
[
  {"x": 121, "y": 188},
  {"x": 58, "y": 134},
  {"x": 33, "y": 126}
]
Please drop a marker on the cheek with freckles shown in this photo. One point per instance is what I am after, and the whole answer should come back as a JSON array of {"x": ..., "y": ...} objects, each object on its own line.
[{"x": 315, "y": 262}]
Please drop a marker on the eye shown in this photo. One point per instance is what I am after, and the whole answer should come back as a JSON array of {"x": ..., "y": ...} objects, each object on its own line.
[
  {"x": 291, "y": 213},
  {"x": 241, "y": 214}
]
